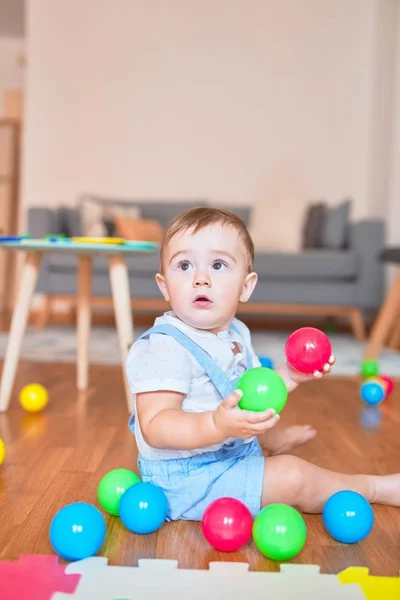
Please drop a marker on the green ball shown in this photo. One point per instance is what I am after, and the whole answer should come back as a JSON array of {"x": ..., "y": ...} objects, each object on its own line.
[
  {"x": 262, "y": 388},
  {"x": 369, "y": 368},
  {"x": 112, "y": 487},
  {"x": 279, "y": 532}
]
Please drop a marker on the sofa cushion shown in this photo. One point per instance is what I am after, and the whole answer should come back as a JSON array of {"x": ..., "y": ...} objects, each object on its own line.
[
  {"x": 313, "y": 224},
  {"x": 309, "y": 265},
  {"x": 335, "y": 229},
  {"x": 166, "y": 211},
  {"x": 67, "y": 263}
]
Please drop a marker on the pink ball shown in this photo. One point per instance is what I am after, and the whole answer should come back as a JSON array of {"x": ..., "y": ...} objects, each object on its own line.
[
  {"x": 308, "y": 350},
  {"x": 227, "y": 524},
  {"x": 389, "y": 384}
]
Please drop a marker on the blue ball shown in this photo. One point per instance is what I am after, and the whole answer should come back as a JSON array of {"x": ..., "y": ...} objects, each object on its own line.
[
  {"x": 266, "y": 362},
  {"x": 372, "y": 393},
  {"x": 77, "y": 531},
  {"x": 348, "y": 517},
  {"x": 143, "y": 508}
]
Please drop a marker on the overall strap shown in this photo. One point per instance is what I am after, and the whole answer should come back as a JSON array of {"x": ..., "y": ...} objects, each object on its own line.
[{"x": 214, "y": 372}]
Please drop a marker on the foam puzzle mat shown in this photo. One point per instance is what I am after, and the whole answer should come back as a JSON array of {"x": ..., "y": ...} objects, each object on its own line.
[{"x": 41, "y": 577}]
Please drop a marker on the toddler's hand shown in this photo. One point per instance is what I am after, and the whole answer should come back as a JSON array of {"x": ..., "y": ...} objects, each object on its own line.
[
  {"x": 298, "y": 377},
  {"x": 232, "y": 421}
]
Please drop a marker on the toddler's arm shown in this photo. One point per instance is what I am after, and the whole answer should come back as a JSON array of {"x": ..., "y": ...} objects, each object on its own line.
[{"x": 165, "y": 425}]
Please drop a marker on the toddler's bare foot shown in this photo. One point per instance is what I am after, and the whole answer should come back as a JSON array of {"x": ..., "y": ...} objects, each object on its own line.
[
  {"x": 387, "y": 489},
  {"x": 281, "y": 441}
]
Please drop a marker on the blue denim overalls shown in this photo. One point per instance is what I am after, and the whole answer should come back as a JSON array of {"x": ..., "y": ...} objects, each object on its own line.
[{"x": 236, "y": 469}]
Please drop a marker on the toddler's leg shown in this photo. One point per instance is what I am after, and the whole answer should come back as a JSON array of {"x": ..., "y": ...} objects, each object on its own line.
[{"x": 294, "y": 481}]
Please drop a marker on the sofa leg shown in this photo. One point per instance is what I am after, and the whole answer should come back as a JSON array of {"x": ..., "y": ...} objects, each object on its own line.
[
  {"x": 44, "y": 313},
  {"x": 357, "y": 324}
]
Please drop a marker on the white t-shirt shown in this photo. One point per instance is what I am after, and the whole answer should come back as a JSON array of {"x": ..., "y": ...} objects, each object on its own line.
[{"x": 159, "y": 362}]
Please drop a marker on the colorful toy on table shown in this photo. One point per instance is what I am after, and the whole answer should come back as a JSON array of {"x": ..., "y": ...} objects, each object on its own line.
[
  {"x": 2, "y": 451},
  {"x": 143, "y": 508},
  {"x": 33, "y": 397},
  {"x": 279, "y": 532},
  {"x": 112, "y": 487},
  {"x": 348, "y": 517},
  {"x": 262, "y": 389},
  {"x": 98, "y": 240},
  {"x": 308, "y": 349},
  {"x": 227, "y": 524},
  {"x": 77, "y": 531}
]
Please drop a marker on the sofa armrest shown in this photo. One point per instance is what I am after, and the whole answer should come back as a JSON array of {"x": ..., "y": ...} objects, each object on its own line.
[
  {"x": 367, "y": 239},
  {"x": 42, "y": 221}
]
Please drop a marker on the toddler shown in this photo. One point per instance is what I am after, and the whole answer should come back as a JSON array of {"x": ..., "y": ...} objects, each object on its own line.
[{"x": 194, "y": 442}]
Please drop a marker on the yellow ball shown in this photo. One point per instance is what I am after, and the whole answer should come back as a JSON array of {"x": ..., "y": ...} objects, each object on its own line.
[
  {"x": 33, "y": 397},
  {"x": 2, "y": 451}
]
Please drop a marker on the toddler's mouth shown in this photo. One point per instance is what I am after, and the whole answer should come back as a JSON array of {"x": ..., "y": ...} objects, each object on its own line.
[{"x": 202, "y": 301}]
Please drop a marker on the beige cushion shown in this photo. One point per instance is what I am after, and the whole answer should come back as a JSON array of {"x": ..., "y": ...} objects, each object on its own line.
[
  {"x": 277, "y": 226},
  {"x": 146, "y": 230},
  {"x": 94, "y": 212}
]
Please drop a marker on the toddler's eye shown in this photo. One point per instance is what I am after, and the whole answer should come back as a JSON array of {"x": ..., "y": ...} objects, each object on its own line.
[
  {"x": 219, "y": 265},
  {"x": 184, "y": 265}
]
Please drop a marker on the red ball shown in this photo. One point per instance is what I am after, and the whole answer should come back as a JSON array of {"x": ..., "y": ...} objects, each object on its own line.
[
  {"x": 389, "y": 384},
  {"x": 308, "y": 350},
  {"x": 227, "y": 524}
]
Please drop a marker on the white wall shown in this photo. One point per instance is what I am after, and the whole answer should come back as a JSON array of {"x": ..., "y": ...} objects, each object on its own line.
[
  {"x": 11, "y": 73},
  {"x": 255, "y": 101},
  {"x": 394, "y": 171}
]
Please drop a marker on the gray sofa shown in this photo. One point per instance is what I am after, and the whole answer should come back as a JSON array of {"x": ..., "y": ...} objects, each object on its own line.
[{"x": 327, "y": 281}]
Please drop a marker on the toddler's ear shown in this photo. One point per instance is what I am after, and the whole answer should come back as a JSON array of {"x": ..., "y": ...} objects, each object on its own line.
[
  {"x": 160, "y": 280},
  {"x": 248, "y": 286}
]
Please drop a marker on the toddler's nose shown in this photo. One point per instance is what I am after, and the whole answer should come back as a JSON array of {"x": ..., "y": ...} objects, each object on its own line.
[{"x": 201, "y": 279}]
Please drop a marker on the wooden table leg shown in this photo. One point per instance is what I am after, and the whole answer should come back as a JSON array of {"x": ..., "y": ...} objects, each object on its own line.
[
  {"x": 19, "y": 321},
  {"x": 83, "y": 320},
  {"x": 385, "y": 321},
  {"x": 123, "y": 313}
]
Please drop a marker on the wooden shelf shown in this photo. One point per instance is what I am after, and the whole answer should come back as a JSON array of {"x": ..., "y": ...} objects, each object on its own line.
[{"x": 9, "y": 202}]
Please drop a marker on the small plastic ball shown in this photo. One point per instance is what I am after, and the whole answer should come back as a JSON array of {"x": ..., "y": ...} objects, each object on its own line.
[
  {"x": 308, "y": 349},
  {"x": 113, "y": 486},
  {"x": 372, "y": 393},
  {"x": 33, "y": 397},
  {"x": 77, "y": 531},
  {"x": 348, "y": 517},
  {"x": 143, "y": 508},
  {"x": 262, "y": 389},
  {"x": 266, "y": 362},
  {"x": 2, "y": 451},
  {"x": 389, "y": 383},
  {"x": 279, "y": 532},
  {"x": 369, "y": 368},
  {"x": 227, "y": 524}
]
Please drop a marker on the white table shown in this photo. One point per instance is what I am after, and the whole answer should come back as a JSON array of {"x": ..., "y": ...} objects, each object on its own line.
[{"x": 34, "y": 251}]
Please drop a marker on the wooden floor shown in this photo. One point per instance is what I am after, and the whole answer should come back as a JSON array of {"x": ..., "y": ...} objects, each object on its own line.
[{"x": 59, "y": 456}]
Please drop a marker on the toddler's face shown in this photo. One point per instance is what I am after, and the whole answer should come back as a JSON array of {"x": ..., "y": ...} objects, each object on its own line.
[{"x": 205, "y": 276}]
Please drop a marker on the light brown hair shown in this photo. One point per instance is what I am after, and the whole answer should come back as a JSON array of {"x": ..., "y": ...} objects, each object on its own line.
[{"x": 201, "y": 217}]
